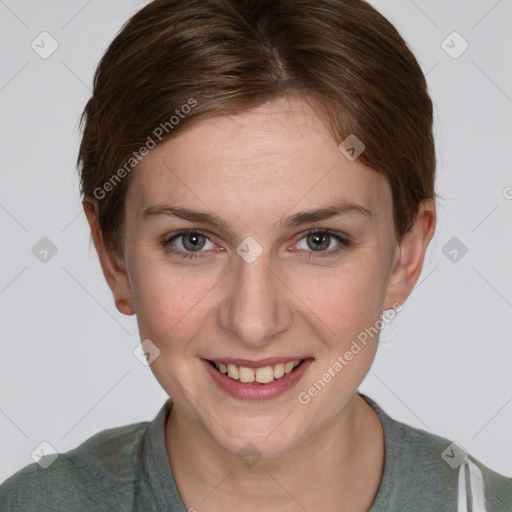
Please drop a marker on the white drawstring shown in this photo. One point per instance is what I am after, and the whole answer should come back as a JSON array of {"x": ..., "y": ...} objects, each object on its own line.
[{"x": 471, "y": 488}]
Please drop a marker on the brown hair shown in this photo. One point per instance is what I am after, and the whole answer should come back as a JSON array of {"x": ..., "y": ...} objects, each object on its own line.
[{"x": 222, "y": 57}]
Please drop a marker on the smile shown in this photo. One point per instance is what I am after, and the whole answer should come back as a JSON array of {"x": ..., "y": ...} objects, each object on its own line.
[
  {"x": 256, "y": 380},
  {"x": 261, "y": 375}
]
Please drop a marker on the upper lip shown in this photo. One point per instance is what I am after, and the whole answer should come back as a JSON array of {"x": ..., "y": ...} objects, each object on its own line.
[{"x": 269, "y": 361}]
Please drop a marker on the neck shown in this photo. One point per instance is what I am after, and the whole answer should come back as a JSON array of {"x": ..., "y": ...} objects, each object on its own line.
[{"x": 338, "y": 468}]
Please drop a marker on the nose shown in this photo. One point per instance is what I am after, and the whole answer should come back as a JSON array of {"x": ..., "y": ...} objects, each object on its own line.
[{"x": 256, "y": 309}]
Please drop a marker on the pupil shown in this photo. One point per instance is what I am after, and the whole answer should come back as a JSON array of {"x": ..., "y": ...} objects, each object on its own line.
[
  {"x": 193, "y": 241},
  {"x": 320, "y": 239}
]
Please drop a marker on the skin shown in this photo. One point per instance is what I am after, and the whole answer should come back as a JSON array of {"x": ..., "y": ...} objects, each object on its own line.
[{"x": 253, "y": 170}]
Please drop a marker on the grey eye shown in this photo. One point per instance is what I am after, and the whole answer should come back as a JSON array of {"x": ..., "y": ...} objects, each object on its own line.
[{"x": 192, "y": 241}]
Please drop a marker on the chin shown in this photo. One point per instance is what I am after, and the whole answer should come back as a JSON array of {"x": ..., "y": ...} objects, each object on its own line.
[{"x": 267, "y": 437}]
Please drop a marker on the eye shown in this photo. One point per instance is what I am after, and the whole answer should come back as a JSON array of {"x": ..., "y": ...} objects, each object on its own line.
[
  {"x": 186, "y": 243},
  {"x": 190, "y": 243},
  {"x": 322, "y": 241}
]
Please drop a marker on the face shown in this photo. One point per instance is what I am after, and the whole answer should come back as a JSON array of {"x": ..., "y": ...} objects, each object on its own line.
[{"x": 253, "y": 242}]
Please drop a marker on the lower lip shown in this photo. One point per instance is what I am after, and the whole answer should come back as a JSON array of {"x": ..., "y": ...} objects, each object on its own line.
[{"x": 256, "y": 391}]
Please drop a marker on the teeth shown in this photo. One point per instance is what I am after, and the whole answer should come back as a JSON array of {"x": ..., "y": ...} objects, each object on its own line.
[
  {"x": 288, "y": 367},
  {"x": 278, "y": 370},
  {"x": 233, "y": 371},
  {"x": 245, "y": 374},
  {"x": 262, "y": 375},
  {"x": 265, "y": 375}
]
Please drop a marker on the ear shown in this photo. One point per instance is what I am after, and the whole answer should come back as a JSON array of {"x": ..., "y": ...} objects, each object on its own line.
[
  {"x": 112, "y": 266},
  {"x": 410, "y": 254}
]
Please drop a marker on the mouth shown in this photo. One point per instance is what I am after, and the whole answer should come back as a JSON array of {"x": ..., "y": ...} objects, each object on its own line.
[
  {"x": 256, "y": 380},
  {"x": 257, "y": 375}
]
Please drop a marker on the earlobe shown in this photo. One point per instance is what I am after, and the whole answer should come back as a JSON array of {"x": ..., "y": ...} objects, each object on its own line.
[
  {"x": 114, "y": 271},
  {"x": 125, "y": 307},
  {"x": 410, "y": 254}
]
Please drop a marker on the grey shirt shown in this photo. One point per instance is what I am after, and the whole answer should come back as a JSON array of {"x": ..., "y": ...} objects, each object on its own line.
[{"x": 127, "y": 469}]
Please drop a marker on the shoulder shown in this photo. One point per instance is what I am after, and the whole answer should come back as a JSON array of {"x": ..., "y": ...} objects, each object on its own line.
[
  {"x": 427, "y": 471},
  {"x": 96, "y": 475},
  {"x": 488, "y": 486},
  {"x": 448, "y": 460}
]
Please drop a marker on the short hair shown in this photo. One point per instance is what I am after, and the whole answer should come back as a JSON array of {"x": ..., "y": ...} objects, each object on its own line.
[{"x": 175, "y": 63}]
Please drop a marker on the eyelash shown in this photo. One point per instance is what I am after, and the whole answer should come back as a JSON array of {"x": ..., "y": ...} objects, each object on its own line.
[{"x": 167, "y": 244}]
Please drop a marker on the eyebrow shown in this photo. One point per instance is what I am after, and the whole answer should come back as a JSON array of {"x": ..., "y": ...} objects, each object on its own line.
[{"x": 297, "y": 219}]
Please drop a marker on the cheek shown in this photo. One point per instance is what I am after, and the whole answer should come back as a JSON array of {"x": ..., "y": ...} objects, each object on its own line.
[
  {"x": 345, "y": 299},
  {"x": 171, "y": 307},
  {"x": 169, "y": 301},
  {"x": 345, "y": 306}
]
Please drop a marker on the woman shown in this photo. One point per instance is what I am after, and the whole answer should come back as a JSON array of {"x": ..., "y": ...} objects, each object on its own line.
[{"x": 259, "y": 177}]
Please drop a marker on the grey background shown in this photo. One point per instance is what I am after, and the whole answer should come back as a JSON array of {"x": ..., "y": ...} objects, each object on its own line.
[{"x": 67, "y": 368}]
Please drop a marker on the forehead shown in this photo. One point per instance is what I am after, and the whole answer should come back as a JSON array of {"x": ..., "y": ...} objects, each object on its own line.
[{"x": 270, "y": 159}]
